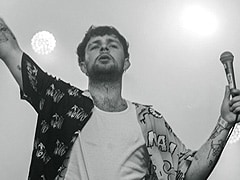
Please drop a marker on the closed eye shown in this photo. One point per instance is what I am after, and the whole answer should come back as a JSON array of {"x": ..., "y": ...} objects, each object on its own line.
[
  {"x": 93, "y": 47},
  {"x": 113, "y": 45}
]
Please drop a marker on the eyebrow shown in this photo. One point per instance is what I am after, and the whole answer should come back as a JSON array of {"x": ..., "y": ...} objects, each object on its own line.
[{"x": 98, "y": 41}]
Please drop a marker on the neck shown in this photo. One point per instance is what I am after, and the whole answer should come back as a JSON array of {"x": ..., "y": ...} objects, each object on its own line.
[{"x": 107, "y": 95}]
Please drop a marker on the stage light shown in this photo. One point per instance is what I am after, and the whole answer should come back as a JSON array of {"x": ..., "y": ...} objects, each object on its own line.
[
  {"x": 43, "y": 42},
  {"x": 235, "y": 136},
  {"x": 199, "y": 20}
]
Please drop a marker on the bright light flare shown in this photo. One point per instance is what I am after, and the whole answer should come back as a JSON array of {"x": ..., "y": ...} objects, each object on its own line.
[
  {"x": 199, "y": 20},
  {"x": 43, "y": 42}
]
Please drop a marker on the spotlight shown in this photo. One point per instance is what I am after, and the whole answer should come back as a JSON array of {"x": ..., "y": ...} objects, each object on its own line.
[
  {"x": 43, "y": 42},
  {"x": 199, "y": 20}
]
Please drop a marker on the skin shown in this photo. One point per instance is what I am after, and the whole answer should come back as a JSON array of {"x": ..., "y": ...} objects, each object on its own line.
[
  {"x": 104, "y": 57},
  {"x": 104, "y": 65},
  {"x": 10, "y": 52},
  {"x": 209, "y": 153}
]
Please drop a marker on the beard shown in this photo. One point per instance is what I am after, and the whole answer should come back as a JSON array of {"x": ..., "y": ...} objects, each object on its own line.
[{"x": 105, "y": 73}]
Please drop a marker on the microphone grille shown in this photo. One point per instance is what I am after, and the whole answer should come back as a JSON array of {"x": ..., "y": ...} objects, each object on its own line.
[{"x": 226, "y": 56}]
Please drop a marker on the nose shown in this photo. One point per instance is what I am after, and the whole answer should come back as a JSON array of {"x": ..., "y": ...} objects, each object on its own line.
[{"x": 104, "y": 48}]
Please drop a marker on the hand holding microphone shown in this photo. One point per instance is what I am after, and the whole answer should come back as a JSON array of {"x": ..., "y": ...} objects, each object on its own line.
[{"x": 230, "y": 108}]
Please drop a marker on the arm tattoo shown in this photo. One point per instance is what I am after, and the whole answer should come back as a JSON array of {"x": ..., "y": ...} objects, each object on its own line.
[
  {"x": 215, "y": 150},
  {"x": 216, "y": 147},
  {"x": 19, "y": 67},
  {"x": 218, "y": 129},
  {"x": 4, "y": 31},
  {"x": 3, "y": 37}
]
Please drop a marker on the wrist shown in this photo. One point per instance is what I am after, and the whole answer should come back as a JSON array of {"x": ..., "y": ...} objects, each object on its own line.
[{"x": 225, "y": 124}]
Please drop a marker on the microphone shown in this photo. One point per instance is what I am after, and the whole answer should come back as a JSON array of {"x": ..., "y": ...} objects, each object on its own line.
[{"x": 227, "y": 60}]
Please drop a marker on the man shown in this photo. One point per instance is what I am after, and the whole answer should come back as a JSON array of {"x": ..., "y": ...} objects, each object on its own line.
[{"x": 97, "y": 134}]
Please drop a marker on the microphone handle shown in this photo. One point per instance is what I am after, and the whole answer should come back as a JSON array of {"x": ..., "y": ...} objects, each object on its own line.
[{"x": 228, "y": 66}]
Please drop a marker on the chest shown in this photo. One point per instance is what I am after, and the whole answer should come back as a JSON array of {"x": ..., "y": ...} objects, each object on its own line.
[{"x": 112, "y": 131}]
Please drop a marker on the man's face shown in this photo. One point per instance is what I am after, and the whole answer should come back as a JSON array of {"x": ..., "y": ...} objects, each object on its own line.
[{"x": 104, "y": 58}]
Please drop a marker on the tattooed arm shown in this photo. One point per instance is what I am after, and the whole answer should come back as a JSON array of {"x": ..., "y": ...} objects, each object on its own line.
[
  {"x": 208, "y": 155},
  {"x": 10, "y": 52}
]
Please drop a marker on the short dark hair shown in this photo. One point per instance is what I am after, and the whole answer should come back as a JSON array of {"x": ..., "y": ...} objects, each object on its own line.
[{"x": 94, "y": 31}]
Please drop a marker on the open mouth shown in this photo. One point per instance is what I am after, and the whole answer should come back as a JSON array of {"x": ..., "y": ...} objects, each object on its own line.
[{"x": 104, "y": 57}]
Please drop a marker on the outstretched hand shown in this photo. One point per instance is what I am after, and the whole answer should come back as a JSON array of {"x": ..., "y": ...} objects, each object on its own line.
[{"x": 231, "y": 106}]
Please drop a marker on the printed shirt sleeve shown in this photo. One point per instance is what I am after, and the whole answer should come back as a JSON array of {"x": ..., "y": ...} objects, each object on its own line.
[
  {"x": 35, "y": 83},
  {"x": 170, "y": 159},
  {"x": 43, "y": 91},
  {"x": 181, "y": 155}
]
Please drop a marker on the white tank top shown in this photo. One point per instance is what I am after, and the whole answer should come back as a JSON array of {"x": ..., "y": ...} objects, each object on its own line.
[{"x": 110, "y": 147}]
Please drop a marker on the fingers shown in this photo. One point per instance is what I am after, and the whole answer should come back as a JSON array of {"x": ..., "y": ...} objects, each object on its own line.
[
  {"x": 235, "y": 108},
  {"x": 234, "y": 103},
  {"x": 235, "y": 92}
]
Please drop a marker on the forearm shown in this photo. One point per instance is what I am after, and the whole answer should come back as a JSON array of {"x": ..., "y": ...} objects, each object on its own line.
[
  {"x": 10, "y": 52},
  {"x": 208, "y": 155},
  {"x": 13, "y": 62}
]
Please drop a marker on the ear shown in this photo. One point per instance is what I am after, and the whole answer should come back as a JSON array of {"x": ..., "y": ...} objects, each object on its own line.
[
  {"x": 126, "y": 64},
  {"x": 83, "y": 67}
]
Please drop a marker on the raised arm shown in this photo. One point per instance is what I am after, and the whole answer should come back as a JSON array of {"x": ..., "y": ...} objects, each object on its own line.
[
  {"x": 10, "y": 52},
  {"x": 208, "y": 155}
]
